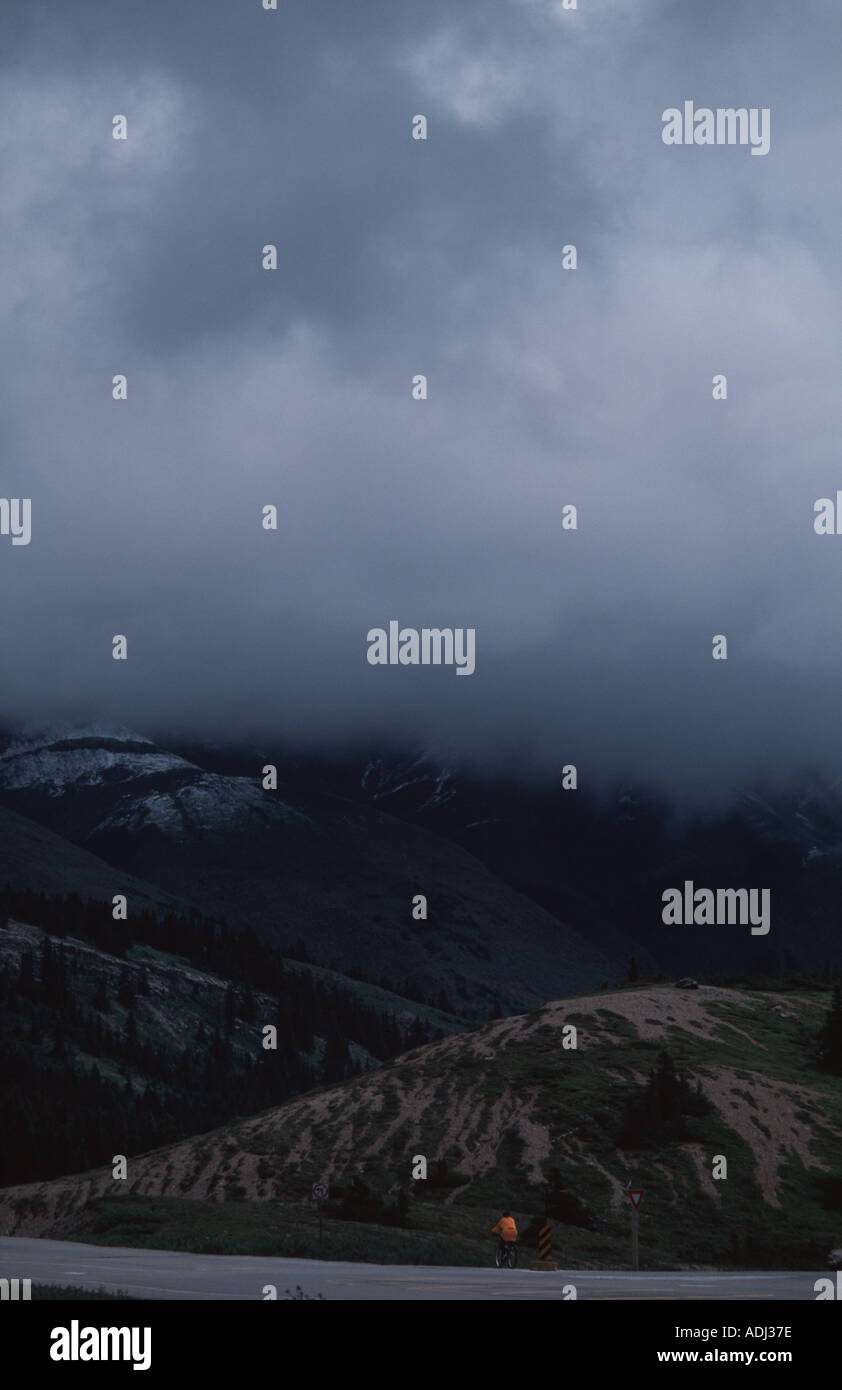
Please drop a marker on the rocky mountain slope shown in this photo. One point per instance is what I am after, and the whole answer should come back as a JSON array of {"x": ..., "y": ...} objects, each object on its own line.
[
  {"x": 506, "y": 1110},
  {"x": 297, "y": 864}
]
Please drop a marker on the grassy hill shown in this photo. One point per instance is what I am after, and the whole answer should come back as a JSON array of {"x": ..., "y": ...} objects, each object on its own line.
[{"x": 506, "y": 1115}]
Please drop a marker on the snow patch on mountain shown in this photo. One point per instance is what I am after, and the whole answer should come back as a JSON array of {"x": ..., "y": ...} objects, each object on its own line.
[
  {"x": 810, "y": 822},
  {"x": 384, "y": 781},
  {"x": 33, "y": 736},
  {"x": 73, "y": 759},
  {"x": 86, "y": 759},
  {"x": 209, "y": 804}
]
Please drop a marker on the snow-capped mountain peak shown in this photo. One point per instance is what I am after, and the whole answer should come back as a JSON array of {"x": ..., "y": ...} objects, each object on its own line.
[{"x": 64, "y": 757}]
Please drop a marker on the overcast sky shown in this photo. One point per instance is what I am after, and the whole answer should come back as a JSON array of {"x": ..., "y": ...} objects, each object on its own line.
[{"x": 593, "y": 387}]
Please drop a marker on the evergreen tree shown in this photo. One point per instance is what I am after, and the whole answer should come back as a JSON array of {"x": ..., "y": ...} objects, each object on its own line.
[
  {"x": 658, "y": 1114},
  {"x": 125, "y": 989},
  {"x": 401, "y": 1217},
  {"x": 230, "y": 1011},
  {"x": 337, "y": 1060},
  {"x": 248, "y": 1006},
  {"x": 26, "y": 976},
  {"x": 101, "y": 993},
  {"x": 830, "y": 1037}
]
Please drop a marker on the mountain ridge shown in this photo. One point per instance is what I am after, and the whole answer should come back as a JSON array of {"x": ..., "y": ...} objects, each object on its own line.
[{"x": 302, "y": 863}]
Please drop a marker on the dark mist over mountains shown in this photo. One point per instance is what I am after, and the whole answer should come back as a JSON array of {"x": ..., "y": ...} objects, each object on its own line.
[{"x": 547, "y": 388}]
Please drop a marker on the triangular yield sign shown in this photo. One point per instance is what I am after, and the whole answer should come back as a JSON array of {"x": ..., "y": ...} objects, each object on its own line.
[{"x": 635, "y": 1196}]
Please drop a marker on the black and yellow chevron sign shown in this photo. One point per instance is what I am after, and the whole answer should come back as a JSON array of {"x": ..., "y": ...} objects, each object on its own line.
[{"x": 544, "y": 1243}]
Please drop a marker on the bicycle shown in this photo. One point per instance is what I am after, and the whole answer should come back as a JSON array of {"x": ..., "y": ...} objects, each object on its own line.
[{"x": 506, "y": 1254}]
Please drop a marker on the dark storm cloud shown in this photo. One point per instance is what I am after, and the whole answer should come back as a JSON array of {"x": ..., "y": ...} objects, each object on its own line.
[{"x": 396, "y": 257}]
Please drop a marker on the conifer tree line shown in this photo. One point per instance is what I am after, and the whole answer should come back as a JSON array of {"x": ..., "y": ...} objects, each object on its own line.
[{"x": 88, "y": 1070}]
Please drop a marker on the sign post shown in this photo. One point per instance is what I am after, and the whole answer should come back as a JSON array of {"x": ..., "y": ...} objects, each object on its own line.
[
  {"x": 321, "y": 1192},
  {"x": 544, "y": 1260},
  {"x": 635, "y": 1196},
  {"x": 544, "y": 1242}
]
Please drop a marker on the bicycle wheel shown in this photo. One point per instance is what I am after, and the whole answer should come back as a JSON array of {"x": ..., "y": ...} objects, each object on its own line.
[
  {"x": 499, "y": 1256},
  {"x": 511, "y": 1255}
]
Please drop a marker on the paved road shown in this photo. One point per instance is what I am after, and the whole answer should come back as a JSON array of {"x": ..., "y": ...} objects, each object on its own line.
[{"x": 174, "y": 1274}]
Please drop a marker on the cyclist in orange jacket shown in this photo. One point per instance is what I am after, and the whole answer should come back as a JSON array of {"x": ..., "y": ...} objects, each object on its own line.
[{"x": 506, "y": 1228}]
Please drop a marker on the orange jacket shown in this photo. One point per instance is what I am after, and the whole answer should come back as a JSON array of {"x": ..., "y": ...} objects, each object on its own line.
[{"x": 505, "y": 1228}]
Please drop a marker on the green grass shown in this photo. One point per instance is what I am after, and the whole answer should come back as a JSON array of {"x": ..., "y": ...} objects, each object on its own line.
[
  {"x": 679, "y": 1227},
  {"x": 268, "y": 1228}
]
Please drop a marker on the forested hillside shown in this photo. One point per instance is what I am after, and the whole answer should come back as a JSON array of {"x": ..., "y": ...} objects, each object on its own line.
[{"x": 120, "y": 1036}]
